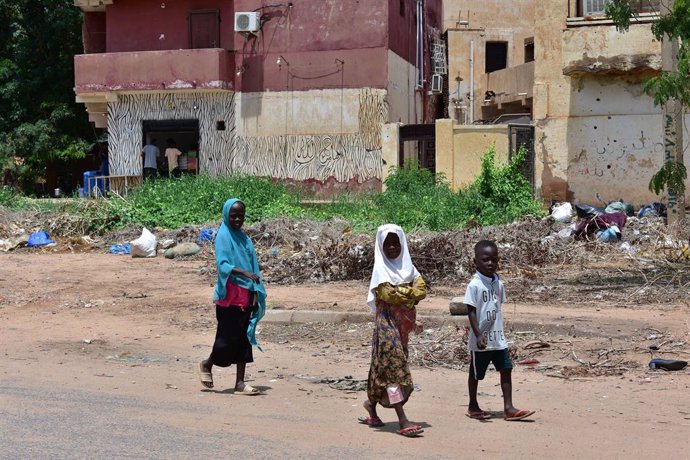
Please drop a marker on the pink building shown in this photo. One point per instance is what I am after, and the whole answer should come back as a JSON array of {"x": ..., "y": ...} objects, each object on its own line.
[{"x": 297, "y": 91}]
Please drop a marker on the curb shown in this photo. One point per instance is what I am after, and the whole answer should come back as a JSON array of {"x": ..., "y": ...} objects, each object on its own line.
[
  {"x": 569, "y": 328},
  {"x": 315, "y": 316}
]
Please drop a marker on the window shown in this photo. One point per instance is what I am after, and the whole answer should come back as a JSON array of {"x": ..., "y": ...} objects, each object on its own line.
[
  {"x": 593, "y": 7},
  {"x": 496, "y": 56},
  {"x": 596, "y": 8},
  {"x": 529, "y": 50}
]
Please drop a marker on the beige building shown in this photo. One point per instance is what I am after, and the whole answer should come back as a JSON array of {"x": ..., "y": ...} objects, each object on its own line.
[
  {"x": 490, "y": 58},
  {"x": 598, "y": 136}
]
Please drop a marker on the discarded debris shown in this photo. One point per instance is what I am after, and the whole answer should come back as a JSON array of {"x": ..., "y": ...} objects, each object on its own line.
[
  {"x": 667, "y": 364},
  {"x": 347, "y": 383},
  {"x": 182, "y": 250}
]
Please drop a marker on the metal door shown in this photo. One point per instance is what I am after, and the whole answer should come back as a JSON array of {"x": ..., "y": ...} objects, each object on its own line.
[
  {"x": 523, "y": 136},
  {"x": 424, "y": 136},
  {"x": 204, "y": 29}
]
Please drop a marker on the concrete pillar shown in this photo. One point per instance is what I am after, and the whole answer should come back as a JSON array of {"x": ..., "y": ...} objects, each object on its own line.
[
  {"x": 390, "y": 148},
  {"x": 445, "y": 150}
]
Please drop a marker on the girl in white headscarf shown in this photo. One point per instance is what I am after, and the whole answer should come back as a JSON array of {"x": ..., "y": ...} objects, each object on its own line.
[{"x": 395, "y": 289}]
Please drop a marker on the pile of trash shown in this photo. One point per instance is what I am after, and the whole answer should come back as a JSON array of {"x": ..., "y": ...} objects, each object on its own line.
[{"x": 643, "y": 235}]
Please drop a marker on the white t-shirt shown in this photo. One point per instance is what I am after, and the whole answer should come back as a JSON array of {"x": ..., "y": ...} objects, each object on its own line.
[
  {"x": 487, "y": 295},
  {"x": 151, "y": 152}
]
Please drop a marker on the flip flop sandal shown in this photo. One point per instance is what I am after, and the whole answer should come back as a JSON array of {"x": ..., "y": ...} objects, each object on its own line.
[
  {"x": 205, "y": 377},
  {"x": 248, "y": 391},
  {"x": 373, "y": 422},
  {"x": 481, "y": 415},
  {"x": 520, "y": 415},
  {"x": 667, "y": 364},
  {"x": 411, "y": 431}
]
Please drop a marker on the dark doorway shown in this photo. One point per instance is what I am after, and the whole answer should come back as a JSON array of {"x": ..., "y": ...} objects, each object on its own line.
[
  {"x": 523, "y": 136},
  {"x": 496, "y": 56},
  {"x": 529, "y": 50},
  {"x": 204, "y": 29},
  {"x": 418, "y": 143},
  {"x": 185, "y": 133}
]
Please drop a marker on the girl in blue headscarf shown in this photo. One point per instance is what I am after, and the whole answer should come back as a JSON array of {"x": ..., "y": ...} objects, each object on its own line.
[{"x": 240, "y": 299}]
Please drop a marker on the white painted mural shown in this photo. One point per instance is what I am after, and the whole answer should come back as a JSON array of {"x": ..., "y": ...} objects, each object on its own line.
[{"x": 341, "y": 156}]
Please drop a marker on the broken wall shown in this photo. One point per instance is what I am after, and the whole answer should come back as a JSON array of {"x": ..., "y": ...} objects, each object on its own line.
[{"x": 598, "y": 135}]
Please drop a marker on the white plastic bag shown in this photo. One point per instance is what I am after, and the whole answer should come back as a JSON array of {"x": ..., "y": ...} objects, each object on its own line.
[
  {"x": 145, "y": 245},
  {"x": 563, "y": 213}
]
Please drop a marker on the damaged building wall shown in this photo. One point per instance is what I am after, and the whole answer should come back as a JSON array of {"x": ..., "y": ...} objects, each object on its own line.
[
  {"x": 469, "y": 21},
  {"x": 321, "y": 156},
  {"x": 598, "y": 135}
]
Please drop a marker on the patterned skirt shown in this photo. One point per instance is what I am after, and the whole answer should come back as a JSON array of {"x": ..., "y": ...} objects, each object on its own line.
[{"x": 389, "y": 353}]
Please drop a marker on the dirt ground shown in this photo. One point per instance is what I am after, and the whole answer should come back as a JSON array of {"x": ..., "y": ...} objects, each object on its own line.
[{"x": 99, "y": 354}]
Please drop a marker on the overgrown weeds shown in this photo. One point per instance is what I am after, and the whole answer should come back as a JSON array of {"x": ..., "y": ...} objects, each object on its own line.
[{"x": 414, "y": 198}]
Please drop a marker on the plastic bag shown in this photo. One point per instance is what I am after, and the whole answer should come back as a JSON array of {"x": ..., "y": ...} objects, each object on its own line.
[
  {"x": 39, "y": 239},
  {"x": 612, "y": 233},
  {"x": 562, "y": 213},
  {"x": 585, "y": 211},
  {"x": 206, "y": 235},
  {"x": 620, "y": 206},
  {"x": 145, "y": 245},
  {"x": 653, "y": 210},
  {"x": 120, "y": 248}
]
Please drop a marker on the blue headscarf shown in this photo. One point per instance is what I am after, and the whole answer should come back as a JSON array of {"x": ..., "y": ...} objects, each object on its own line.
[{"x": 234, "y": 249}]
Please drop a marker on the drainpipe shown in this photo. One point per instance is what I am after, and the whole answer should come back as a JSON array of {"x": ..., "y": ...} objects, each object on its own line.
[{"x": 471, "y": 81}]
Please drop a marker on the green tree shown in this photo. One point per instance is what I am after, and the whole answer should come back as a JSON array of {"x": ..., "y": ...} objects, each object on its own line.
[
  {"x": 39, "y": 118},
  {"x": 673, "y": 24}
]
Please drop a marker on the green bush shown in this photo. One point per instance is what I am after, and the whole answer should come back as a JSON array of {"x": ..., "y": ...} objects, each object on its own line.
[
  {"x": 189, "y": 200},
  {"x": 501, "y": 194},
  {"x": 414, "y": 199},
  {"x": 10, "y": 199}
]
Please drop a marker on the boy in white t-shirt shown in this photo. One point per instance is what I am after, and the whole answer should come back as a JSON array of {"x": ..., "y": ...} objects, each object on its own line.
[{"x": 487, "y": 342}]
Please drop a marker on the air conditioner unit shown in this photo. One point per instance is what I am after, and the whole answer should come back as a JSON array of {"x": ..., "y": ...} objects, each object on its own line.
[
  {"x": 436, "y": 83},
  {"x": 248, "y": 22}
]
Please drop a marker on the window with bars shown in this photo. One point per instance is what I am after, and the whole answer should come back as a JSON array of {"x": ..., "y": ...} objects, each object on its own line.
[
  {"x": 593, "y": 7},
  {"x": 438, "y": 58},
  {"x": 597, "y": 7}
]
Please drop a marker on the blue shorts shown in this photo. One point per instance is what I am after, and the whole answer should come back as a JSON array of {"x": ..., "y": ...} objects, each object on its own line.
[{"x": 481, "y": 359}]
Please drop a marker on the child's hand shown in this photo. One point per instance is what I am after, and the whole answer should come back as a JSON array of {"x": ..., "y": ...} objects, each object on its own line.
[
  {"x": 418, "y": 327},
  {"x": 252, "y": 276},
  {"x": 481, "y": 342}
]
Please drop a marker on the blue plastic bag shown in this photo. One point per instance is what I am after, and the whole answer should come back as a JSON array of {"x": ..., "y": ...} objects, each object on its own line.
[
  {"x": 610, "y": 234},
  {"x": 39, "y": 239},
  {"x": 120, "y": 249},
  {"x": 206, "y": 235}
]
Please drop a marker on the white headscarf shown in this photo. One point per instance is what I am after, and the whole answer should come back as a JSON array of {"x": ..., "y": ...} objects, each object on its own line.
[{"x": 398, "y": 271}]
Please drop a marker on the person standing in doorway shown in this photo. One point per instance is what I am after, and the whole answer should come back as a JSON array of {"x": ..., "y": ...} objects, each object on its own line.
[
  {"x": 172, "y": 153},
  {"x": 151, "y": 153}
]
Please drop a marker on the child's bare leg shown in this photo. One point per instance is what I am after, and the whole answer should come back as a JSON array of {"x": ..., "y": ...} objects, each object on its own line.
[
  {"x": 239, "y": 381},
  {"x": 472, "y": 385},
  {"x": 507, "y": 387},
  {"x": 402, "y": 418}
]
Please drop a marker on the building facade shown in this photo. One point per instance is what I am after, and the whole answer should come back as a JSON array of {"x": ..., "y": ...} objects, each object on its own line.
[
  {"x": 598, "y": 135},
  {"x": 301, "y": 98}
]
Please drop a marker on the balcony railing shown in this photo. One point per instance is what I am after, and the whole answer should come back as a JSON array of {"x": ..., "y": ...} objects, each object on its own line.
[
  {"x": 154, "y": 70},
  {"x": 509, "y": 85}
]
